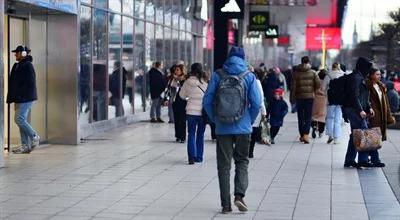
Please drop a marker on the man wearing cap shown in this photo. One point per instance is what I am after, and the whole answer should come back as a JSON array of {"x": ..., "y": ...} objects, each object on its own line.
[
  {"x": 22, "y": 92},
  {"x": 233, "y": 139}
]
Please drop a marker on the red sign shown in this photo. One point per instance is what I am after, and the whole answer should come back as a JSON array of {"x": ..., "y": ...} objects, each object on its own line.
[
  {"x": 284, "y": 40},
  {"x": 314, "y": 38}
]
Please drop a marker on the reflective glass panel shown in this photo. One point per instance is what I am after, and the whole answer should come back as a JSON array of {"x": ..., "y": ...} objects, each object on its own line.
[
  {"x": 100, "y": 3},
  {"x": 150, "y": 10},
  {"x": 182, "y": 23},
  {"x": 115, "y": 108},
  {"x": 167, "y": 47},
  {"x": 127, "y": 63},
  {"x": 175, "y": 13},
  {"x": 167, "y": 12},
  {"x": 100, "y": 92},
  {"x": 175, "y": 45},
  {"x": 139, "y": 8},
  {"x": 114, "y": 5},
  {"x": 189, "y": 47},
  {"x": 182, "y": 45},
  {"x": 159, "y": 11},
  {"x": 159, "y": 43},
  {"x": 127, "y": 7},
  {"x": 86, "y": 1},
  {"x": 85, "y": 68},
  {"x": 150, "y": 45},
  {"x": 140, "y": 69}
]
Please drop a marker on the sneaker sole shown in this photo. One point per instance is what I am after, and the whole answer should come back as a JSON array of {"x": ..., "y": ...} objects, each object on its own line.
[{"x": 242, "y": 207}]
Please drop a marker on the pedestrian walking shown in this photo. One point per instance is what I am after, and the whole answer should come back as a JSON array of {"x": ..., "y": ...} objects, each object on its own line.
[
  {"x": 158, "y": 83},
  {"x": 116, "y": 91},
  {"x": 256, "y": 134},
  {"x": 276, "y": 112},
  {"x": 22, "y": 92},
  {"x": 393, "y": 97},
  {"x": 193, "y": 91},
  {"x": 233, "y": 101},
  {"x": 319, "y": 108},
  {"x": 357, "y": 108},
  {"x": 380, "y": 105},
  {"x": 305, "y": 83},
  {"x": 334, "y": 110}
]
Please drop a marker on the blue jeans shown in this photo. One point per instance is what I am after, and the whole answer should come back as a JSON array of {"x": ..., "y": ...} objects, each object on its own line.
[
  {"x": 334, "y": 121},
  {"x": 195, "y": 145},
  {"x": 304, "y": 113},
  {"x": 155, "y": 110},
  {"x": 21, "y": 119},
  {"x": 356, "y": 122}
]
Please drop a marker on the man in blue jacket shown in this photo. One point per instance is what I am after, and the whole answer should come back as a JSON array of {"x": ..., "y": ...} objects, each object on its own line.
[{"x": 233, "y": 139}]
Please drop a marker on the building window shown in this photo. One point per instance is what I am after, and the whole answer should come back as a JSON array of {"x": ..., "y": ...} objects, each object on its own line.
[
  {"x": 167, "y": 13},
  {"x": 100, "y": 87},
  {"x": 127, "y": 64},
  {"x": 85, "y": 66},
  {"x": 115, "y": 76},
  {"x": 139, "y": 8},
  {"x": 114, "y": 5},
  {"x": 167, "y": 47},
  {"x": 175, "y": 45},
  {"x": 150, "y": 13},
  {"x": 140, "y": 69},
  {"x": 189, "y": 48},
  {"x": 159, "y": 43},
  {"x": 100, "y": 3},
  {"x": 159, "y": 11},
  {"x": 128, "y": 7}
]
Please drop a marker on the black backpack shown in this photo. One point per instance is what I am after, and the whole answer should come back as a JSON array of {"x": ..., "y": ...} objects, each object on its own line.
[{"x": 337, "y": 90}]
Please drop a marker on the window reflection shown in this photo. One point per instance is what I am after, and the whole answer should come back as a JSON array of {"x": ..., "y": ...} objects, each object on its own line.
[
  {"x": 115, "y": 70},
  {"x": 182, "y": 44},
  {"x": 114, "y": 5},
  {"x": 150, "y": 45},
  {"x": 150, "y": 10},
  {"x": 182, "y": 23},
  {"x": 127, "y": 7},
  {"x": 139, "y": 8},
  {"x": 159, "y": 45},
  {"x": 99, "y": 65},
  {"x": 175, "y": 13},
  {"x": 127, "y": 61},
  {"x": 84, "y": 76},
  {"x": 159, "y": 11},
  {"x": 175, "y": 45},
  {"x": 141, "y": 91},
  {"x": 189, "y": 48},
  {"x": 86, "y": 1},
  {"x": 167, "y": 12},
  {"x": 167, "y": 47},
  {"x": 100, "y": 3}
]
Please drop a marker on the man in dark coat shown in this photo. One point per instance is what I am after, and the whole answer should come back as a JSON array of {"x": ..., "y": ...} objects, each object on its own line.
[
  {"x": 356, "y": 108},
  {"x": 22, "y": 92},
  {"x": 158, "y": 82},
  {"x": 115, "y": 88}
]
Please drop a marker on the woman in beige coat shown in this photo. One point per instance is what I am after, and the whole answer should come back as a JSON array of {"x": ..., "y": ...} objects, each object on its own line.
[{"x": 319, "y": 108}]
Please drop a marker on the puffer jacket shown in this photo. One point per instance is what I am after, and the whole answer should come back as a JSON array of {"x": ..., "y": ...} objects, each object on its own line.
[
  {"x": 193, "y": 94},
  {"x": 304, "y": 83}
]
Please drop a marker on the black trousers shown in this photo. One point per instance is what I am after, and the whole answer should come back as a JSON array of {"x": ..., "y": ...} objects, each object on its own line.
[
  {"x": 304, "y": 114},
  {"x": 179, "y": 121},
  {"x": 319, "y": 126},
  {"x": 274, "y": 131},
  {"x": 255, "y": 136},
  {"x": 212, "y": 126}
]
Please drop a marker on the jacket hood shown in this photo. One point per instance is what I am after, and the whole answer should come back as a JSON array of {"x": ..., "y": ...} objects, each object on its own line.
[
  {"x": 235, "y": 65},
  {"x": 390, "y": 85},
  {"x": 303, "y": 67},
  {"x": 363, "y": 65},
  {"x": 194, "y": 81},
  {"x": 335, "y": 74}
]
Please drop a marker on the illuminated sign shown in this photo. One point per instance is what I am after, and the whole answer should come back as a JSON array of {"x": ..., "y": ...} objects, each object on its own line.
[
  {"x": 258, "y": 21},
  {"x": 314, "y": 38},
  {"x": 229, "y": 9},
  {"x": 272, "y": 31}
]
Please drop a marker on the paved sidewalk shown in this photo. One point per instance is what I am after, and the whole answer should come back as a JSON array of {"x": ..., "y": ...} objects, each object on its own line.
[{"x": 139, "y": 172}]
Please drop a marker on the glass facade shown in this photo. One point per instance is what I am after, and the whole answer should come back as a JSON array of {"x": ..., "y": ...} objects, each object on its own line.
[{"x": 119, "y": 42}]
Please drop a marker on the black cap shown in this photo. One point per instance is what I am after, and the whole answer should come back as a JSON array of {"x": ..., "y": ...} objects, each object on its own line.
[{"x": 20, "y": 49}]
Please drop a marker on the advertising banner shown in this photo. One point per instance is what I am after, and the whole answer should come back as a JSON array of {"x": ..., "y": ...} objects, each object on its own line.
[
  {"x": 315, "y": 38},
  {"x": 258, "y": 20}
]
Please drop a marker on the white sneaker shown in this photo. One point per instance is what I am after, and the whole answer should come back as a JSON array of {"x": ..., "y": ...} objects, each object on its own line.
[
  {"x": 336, "y": 141},
  {"x": 35, "y": 141},
  {"x": 24, "y": 149}
]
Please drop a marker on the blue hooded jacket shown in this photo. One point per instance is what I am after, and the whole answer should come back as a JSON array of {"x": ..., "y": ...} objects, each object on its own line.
[{"x": 234, "y": 66}]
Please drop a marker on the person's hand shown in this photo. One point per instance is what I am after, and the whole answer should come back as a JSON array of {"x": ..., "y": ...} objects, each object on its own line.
[
  {"x": 166, "y": 103},
  {"x": 372, "y": 112},
  {"x": 363, "y": 114}
]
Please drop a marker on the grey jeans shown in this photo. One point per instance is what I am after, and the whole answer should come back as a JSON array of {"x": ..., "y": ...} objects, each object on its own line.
[
  {"x": 236, "y": 147},
  {"x": 155, "y": 110}
]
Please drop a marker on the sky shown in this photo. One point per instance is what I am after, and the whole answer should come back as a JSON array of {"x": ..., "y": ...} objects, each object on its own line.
[{"x": 366, "y": 13}]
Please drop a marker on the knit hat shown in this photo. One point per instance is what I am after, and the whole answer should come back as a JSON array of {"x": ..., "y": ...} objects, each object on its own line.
[
  {"x": 236, "y": 51},
  {"x": 279, "y": 92}
]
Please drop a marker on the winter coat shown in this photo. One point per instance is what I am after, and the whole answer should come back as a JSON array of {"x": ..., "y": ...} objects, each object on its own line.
[
  {"x": 381, "y": 108},
  {"x": 282, "y": 81},
  {"x": 193, "y": 91},
  {"x": 263, "y": 111},
  {"x": 319, "y": 106},
  {"x": 393, "y": 97},
  {"x": 330, "y": 76},
  {"x": 114, "y": 83},
  {"x": 22, "y": 84},
  {"x": 277, "y": 110},
  {"x": 357, "y": 93},
  {"x": 158, "y": 83},
  {"x": 305, "y": 83},
  {"x": 269, "y": 84},
  {"x": 234, "y": 66}
]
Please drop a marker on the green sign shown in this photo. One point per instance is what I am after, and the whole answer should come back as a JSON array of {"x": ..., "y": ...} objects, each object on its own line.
[
  {"x": 259, "y": 20},
  {"x": 272, "y": 31}
]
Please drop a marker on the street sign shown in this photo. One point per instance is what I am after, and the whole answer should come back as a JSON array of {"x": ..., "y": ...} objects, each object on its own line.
[
  {"x": 258, "y": 20},
  {"x": 272, "y": 31}
]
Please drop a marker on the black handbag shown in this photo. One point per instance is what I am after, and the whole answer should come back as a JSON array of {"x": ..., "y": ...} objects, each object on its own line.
[{"x": 204, "y": 115}]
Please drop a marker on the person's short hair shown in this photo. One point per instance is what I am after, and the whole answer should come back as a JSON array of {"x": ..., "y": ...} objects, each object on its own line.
[
  {"x": 305, "y": 60},
  {"x": 157, "y": 64},
  {"x": 335, "y": 66}
]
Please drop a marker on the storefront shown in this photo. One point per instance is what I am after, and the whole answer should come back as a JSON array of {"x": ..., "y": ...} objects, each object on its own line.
[{"x": 82, "y": 50}]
